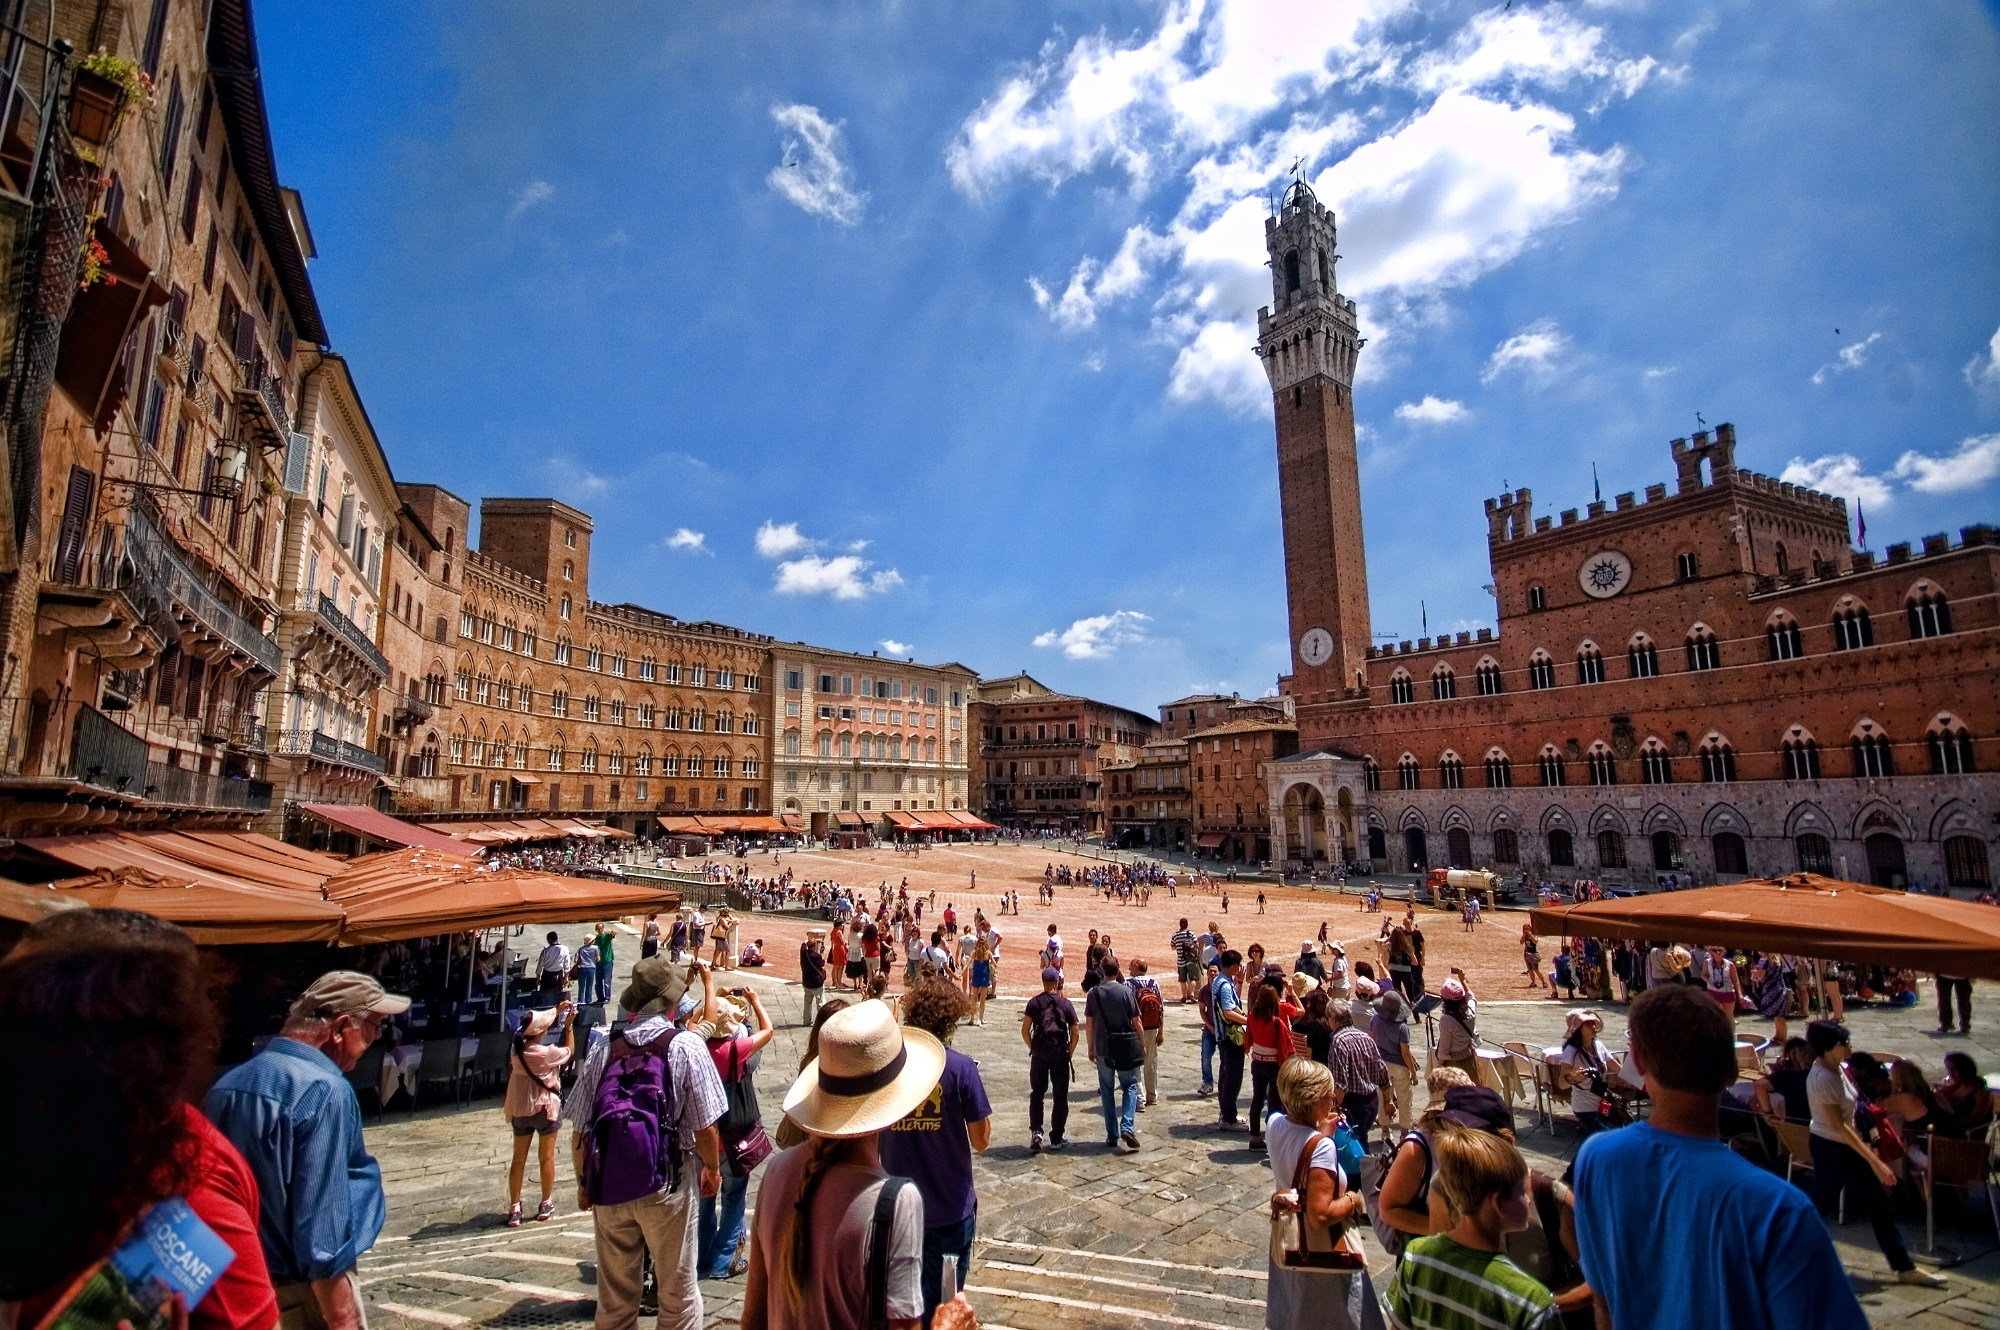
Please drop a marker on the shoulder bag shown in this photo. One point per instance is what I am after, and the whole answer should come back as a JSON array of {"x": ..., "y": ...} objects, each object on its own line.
[{"x": 1336, "y": 1257}]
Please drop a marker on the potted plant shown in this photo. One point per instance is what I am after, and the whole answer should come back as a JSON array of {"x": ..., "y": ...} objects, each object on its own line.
[{"x": 105, "y": 87}]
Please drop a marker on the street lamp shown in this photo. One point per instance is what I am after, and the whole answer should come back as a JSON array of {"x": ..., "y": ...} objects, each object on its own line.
[{"x": 232, "y": 464}]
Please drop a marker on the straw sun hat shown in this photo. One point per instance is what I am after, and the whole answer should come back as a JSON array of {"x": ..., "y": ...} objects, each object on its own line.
[{"x": 870, "y": 1073}]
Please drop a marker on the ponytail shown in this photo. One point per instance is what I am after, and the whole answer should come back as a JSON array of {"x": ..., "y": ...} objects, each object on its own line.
[{"x": 795, "y": 1272}]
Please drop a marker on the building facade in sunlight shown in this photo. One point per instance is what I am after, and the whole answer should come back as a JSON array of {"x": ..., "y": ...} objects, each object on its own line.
[{"x": 1707, "y": 683}]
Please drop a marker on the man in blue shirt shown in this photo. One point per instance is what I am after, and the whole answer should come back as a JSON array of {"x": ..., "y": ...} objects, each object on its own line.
[
  {"x": 293, "y": 1115},
  {"x": 1672, "y": 1225}
]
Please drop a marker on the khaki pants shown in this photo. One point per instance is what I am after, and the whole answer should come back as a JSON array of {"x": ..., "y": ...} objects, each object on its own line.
[
  {"x": 1150, "y": 1039},
  {"x": 299, "y": 1309},
  {"x": 663, "y": 1223},
  {"x": 1398, "y": 1097}
]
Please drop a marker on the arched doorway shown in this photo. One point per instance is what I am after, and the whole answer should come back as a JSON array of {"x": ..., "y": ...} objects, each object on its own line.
[
  {"x": 1415, "y": 856},
  {"x": 1305, "y": 822},
  {"x": 1378, "y": 844},
  {"x": 1886, "y": 865},
  {"x": 1562, "y": 849},
  {"x": 1458, "y": 847},
  {"x": 1344, "y": 823}
]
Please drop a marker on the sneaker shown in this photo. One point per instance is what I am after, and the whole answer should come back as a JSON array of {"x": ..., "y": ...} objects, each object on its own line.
[
  {"x": 1921, "y": 1278},
  {"x": 1035, "y": 1143},
  {"x": 1206, "y": 1091},
  {"x": 1257, "y": 1143},
  {"x": 514, "y": 1215},
  {"x": 1232, "y": 1126},
  {"x": 1131, "y": 1138},
  {"x": 1115, "y": 1144},
  {"x": 1057, "y": 1145},
  {"x": 546, "y": 1210}
]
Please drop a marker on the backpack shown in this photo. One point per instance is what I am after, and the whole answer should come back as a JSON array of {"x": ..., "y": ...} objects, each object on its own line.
[
  {"x": 1205, "y": 1001},
  {"x": 631, "y": 1150},
  {"x": 1373, "y": 1170},
  {"x": 1051, "y": 1033},
  {"x": 878, "y": 1251},
  {"x": 1152, "y": 1013}
]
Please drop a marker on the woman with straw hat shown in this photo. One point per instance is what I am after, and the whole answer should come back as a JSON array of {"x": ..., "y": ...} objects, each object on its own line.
[{"x": 813, "y": 1251}]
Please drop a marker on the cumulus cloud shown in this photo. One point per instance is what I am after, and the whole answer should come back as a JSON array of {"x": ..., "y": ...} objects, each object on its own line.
[
  {"x": 1851, "y": 357},
  {"x": 1975, "y": 461},
  {"x": 1841, "y": 475},
  {"x": 1098, "y": 637},
  {"x": 1537, "y": 352},
  {"x": 694, "y": 542},
  {"x": 811, "y": 173},
  {"x": 895, "y": 648},
  {"x": 1461, "y": 163},
  {"x": 530, "y": 195},
  {"x": 1432, "y": 411},
  {"x": 1983, "y": 370},
  {"x": 804, "y": 571}
]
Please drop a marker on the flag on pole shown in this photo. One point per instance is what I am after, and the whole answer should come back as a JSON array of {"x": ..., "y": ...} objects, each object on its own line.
[
  {"x": 1425, "y": 611},
  {"x": 1861, "y": 521},
  {"x": 1596, "y": 490}
]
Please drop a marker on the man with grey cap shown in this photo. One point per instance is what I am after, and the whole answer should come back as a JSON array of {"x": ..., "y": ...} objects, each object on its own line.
[{"x": 294, "y": 1117}]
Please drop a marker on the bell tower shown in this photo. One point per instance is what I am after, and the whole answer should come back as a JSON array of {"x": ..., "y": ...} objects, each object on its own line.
[{"x": 1307, "y": 340}]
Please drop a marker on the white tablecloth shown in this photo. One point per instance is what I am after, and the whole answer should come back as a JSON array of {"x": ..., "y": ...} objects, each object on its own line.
[{"x": 400, "y": 1065}]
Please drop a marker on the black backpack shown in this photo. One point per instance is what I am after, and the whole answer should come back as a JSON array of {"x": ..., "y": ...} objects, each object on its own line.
[{"x": 1052, "y": 1032}]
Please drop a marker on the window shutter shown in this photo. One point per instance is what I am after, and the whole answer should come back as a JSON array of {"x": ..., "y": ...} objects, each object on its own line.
[
  {"x": 298, "y": 454},
  {"x": 246, "y": 335},
  {"x": 344, "y": 530},
  {"x": 75, "y": 523}
]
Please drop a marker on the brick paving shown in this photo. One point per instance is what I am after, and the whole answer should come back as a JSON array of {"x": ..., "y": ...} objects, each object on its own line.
[{"x": 1172, "y": 1236}]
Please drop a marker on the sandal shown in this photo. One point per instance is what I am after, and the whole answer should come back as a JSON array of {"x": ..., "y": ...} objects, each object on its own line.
[
  {"x": 514, "y": 1215},
  {"x": 546, "y": 1210}
]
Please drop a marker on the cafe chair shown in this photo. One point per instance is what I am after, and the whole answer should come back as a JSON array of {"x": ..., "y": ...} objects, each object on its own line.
[
  {"x": 1796, "y": 1137},
  {"x": 366, "y": 1078},
  {"x": 439, "y": 1065},
  {"x": 1959, "y": 1166},
  {"x": 1528, "y": 1063},
  {"x": 489, "y": 1064}
]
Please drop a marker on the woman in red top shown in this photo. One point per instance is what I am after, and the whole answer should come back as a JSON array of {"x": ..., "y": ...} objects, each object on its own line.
[
  {"x": 108, "y": 1007},
  {"x": 1271, "y": 1042}
]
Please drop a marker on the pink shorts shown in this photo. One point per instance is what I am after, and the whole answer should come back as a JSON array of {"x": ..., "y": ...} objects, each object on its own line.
[{"x": 1727, "y": 1001}]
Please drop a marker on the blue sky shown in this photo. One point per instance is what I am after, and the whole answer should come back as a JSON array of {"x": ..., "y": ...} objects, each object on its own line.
[{"x": 929, "y": 325}]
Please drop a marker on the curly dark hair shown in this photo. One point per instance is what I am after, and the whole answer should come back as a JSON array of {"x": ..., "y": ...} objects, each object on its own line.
[
  {"x": 118, "y": 1036},
  {"x": 935, "y": 1005}
]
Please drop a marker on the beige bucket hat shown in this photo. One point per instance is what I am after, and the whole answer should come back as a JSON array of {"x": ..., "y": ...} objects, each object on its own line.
[{"x": 870, "y": 1073}]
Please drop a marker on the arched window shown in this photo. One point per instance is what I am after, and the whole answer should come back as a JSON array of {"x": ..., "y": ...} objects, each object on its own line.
[
  {"x": 1872, "y": 756},
  {"x": 1703, "y": 651},
  {"x": 587, "y": 760},
  {"x": 825, "y": 743},
  {"x": 1552, "y": 766},
  {"x": 1444, "y": 684},
  {"x": 1401, "y": 689},
  {"x": 1643, "y": 657},
  {"x": 1656, "y": 766},
  {"x": 1718, "y": 760},
  {"x": 1782, "y": 632},
  {"x": 555, "y": 758},
  {"x": 1667, "y": 852},
  {"x": 1589, "y": 664},
  {"x": 1784, "y": 560},
  {"x": 1610, "y": 849},
  {"x": 1815, "y": 853},
  {"x": 1371, "y": 773},
  {"x": 1853, "y": 629},
  {"x": 1451, "y": 771},
  {"x": 614, "y": 761},
  {"x": 847, "y": 745},
  {"x": 1291, "y": 271},
  {"x": 1801, "y": 755},
  {"x": 1562, "y": 849},
  {"x": 1541, "y": 670},
  {"x": 1603, "y": 766},
  {"x": 1951, "y": 747},
  {"x": 1499, "y": 771},
  {"x": 524, "y": 696},
  {"x": 1730, "y": 858},
  {"x": 1506, "y": 846},
  {"x": 1930, "y": 613},
  {"x": 1488, "y": 674},
  {"x": 1407, "y": 772}
]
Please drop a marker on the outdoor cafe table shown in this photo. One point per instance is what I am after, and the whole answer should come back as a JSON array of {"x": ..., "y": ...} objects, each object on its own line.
[{"x": 400, "y": 1066}]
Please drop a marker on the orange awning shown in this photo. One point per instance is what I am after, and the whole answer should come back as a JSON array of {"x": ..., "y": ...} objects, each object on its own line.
[
  {"x": 212, "y": 914},
  {"x": 907, "y": 821},
  {"x": 417, "y": 893},
  {"x": 1800, "y": 916},
  {"x": 225, "y": 859},
  {"x": 375, "y": 825}
]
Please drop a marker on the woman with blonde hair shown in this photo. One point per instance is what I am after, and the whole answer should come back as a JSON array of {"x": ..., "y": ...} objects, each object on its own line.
[
  {"x": 812, "y": 1262},
  {"x": 1308, "y": 1180},
  {"x": 982, "y": 978}
]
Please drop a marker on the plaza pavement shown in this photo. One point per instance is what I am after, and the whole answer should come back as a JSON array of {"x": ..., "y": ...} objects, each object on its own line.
[{"x": 1173, "y": 1236}]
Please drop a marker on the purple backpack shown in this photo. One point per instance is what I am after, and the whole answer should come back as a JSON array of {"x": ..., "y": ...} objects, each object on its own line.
[{"x": 631, "y": 1150}]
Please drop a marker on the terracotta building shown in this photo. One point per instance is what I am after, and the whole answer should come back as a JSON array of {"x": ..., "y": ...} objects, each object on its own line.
[
  {"x": 1041, "y": 754},
  {"x": 421, "y": 574},
  {"x": 863, "y": 736},
  {"x": 1151, "y": 801},
  {"x": 1229, "y": 767},
  {"x": 1707, "y": 683},
  {"x": 562, "y": 703}
]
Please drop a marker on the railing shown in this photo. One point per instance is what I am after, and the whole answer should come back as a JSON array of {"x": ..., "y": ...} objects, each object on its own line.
[
  {"x": 350, "y": 632},
  {"x": 259, "y": 390},
  {"x": 105, "y": 754},
  {"x": 311, "y": 743},
  {"x": 198, "y": 789},
  {"x": 156, "y": 559}
]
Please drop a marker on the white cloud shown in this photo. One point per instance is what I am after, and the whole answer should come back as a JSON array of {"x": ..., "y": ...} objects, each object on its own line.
[
  {"x": 1851, "y": 357},
  {"x": 694, "y": 542},
  {"x": 1432, "y": 411},
  {"x": 1976, "y": 461},
  {"x": 1838, "y": 474},
  {"x": 1659, "y": 372},
  {"x": 1983, "y": 370},
  {"x": 1223, "y": 95},
  {"x": 528, "y": 196},
  {"x": 811, "y": 173},
  {"x": 895, "y": 648},
  {"x": 1098, "y": 637},
  {"x": 1094, "y": 362},
  {"x": 803, "y": 571},
  {"x": 1537, "y": 351}
]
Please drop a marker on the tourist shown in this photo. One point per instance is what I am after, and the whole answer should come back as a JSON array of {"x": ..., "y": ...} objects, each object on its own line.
[
  {"x": 933, "y": 1146},
  {"x": 1414, "y": 932},
  {"x": 1308, "y": 962},
  {"x": 1461, "y": 1277},
  {"x": 649, "y": 942},
  {"x": 1842, "y": 1160},
  {"x": 1669, "y": 1218},
  {"x": 1771, "y": 995},
  {"x": 1116, "y": 1046},
  {"x": 1400, "y": 959},
  {"x": 1205, "y": 1000},
  {"x": 1389, "y": 1027},
  {"x": 534, "y": 1099},
  {"x": 1458, "y": 1019},
  {"x": 812, "y": 977},
  {"x": 856, "y": 966},
  {"x": 1269, "y": 1033},
  {"x": 554, "y": 965},
  {"x": 981, "y": 984},
  {"x": 1724, "y": 987},
  {"x": 1787, "y": 1081},
  {"x": 586, "y": 973},
  {"x": 1531, "y": 957},
  {"x": 752, "y": 955},
  {"x": 1313, "y": 1028},
  {"x": 1339, "y": 982},
  {"x": 1965, "y": 1094},
  {"x": 107, "y": 1007},
  {"x": 1052, "y": 950},
  {"x": 1405, "y": 1203},
  {"x": 605, "y": 961},
  {"x": 1231, "y": 1027},
  {"x": 816, "y": 1223},
  {"x": 648, "y": 1203},
  {"x": 739, "y": 1130},
  {"x": 1358, "y": 1071},
  {"x": 293, "y": 1114},
  {"x": 1311, "y": 1300},
  {"x": 1049, "y": 1028},
  {"x": 1948, "y": 987},
  {"x": 1586, "y": 1071},
  {"x": 1152, "y": 1025},
  {"x": 1187, "y": 961}
]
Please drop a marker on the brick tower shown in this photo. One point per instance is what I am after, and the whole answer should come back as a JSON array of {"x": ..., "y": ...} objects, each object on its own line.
[{"x": 1307, "y": 340}]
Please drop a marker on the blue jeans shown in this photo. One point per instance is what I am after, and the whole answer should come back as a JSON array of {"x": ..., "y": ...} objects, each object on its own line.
[
  {"x": 939, "y": 1242},
  {"x": 1118, "y": 1119},
  {"x": 604, "y": 981},
  {"x": 1208, "y": 1059},
  {"x": 586, "y": 984},
  {"x": 721, "y": 1227}
]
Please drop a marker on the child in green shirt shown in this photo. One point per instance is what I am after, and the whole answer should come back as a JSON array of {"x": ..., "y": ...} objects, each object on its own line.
[{"x": 1458, "y": 1279}]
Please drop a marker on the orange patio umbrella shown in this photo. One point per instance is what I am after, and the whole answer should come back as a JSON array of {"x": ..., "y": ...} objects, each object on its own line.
[
  {"x": 214, "y": 914},
  {"x": 418, "y": 893}
]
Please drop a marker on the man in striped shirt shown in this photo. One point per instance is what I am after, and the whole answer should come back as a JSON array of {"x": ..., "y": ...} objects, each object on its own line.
[
  {"x": 1356, "y": 1064},
  {"x": 1458, "y": 1279},
  {"x": 1187, "y": 961}
]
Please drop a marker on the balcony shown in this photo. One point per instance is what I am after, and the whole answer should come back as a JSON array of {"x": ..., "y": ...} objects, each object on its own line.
[
  {"x": 411, "y": 711},
  {"x": 326, "y": 748},
  {"x": 350, "y": 634},
  {"x": 104, "y": 755},
  {"x": 260, "y": 405},
  {"x": 158, "y": 564},
  {"x": 188, "y": 788}
]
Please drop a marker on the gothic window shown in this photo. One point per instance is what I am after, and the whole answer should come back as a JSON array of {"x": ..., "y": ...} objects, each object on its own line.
[
  {"x": 1401, "y": 689},
  {"x": 1538, "y": 598},
  {"x": 1610, "y": 849},
  {"x": 1541, "y": 671},
  {"x": 1784, "y": 560},
  {"x": 1930, "y": 614},
  {"x": 1655, "y": 766},
  {"x": 1951, "y": 747},
  {"x": 1703, "y": 651},
  {"x": 1644, "y": 657},
  {"x": 562, "y": 651},
  {"x": 556, "y": 755},
  {"x": 1444, "y": 684},
  {"x": 1407, "y": 772},
  {"x": 1451, "y": 772},
  {"x": 1603, "y": 766},
  {"x": 1499, "y": 771},
  {"x": 1667, "y": 856},
  {"x": 1291, "y": 271},
  {"x": 1686, "y": 566},
  {"x": 1488, "y": 675},
  {"x": 1782, "y": 632},
  {"x": 590, "y": 707},
  {"x": 1552, "y": 766},
  {"x": 587, "y": 760},
  {"x": 1853, "y": 629},
  {"x": 1872, "y": 757},
  {"x": 525, "y": 697},
  {"x": 559, "y": 703},
  {"x": 1801, "y": 756},
  {"x": 593, "y": 657},
  {"x": 649, "y": 668},
  {"x": 1371, "y": 773},
  {"x": 617, "y": 712},
  {"x": 1815, "y": 854},
  {"x": 1562, "y": 849},
  {"x": 1718, "y": 761},
  {"x": 1506, "y": 846},
  {"x": 462, "y": 689},
  {"x": 1589, "y": 664}
]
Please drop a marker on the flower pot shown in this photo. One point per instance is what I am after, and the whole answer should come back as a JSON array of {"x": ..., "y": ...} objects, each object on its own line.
[{"x": 95, "y": 105}]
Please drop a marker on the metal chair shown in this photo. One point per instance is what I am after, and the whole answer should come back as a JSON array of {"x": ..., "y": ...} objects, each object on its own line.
[
  {"x": 1960, "y": 1165},
  {"x": 366, "y": 1078},
  {"x": 489, "y": 1064},
  {"x": 1528, "y": 1063},
  {"x": 1796, "y": 1137},
  {"x": 439, "y": 1064}
]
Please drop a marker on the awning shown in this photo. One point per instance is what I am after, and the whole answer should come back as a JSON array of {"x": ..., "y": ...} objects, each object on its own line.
[
  {"x": 523, "y": 778},
  {"x": 1209, "y": 842},
  {"x": 682, "y": 826},
  {"x": 223, "y": 859},
  {"x": 907, "y": 821},
  {"x": 376, "y": 825},
  {"x": 793, "y": 822},
  {"x": 1800, "y": 916},
  {"x": 212, "y": 914},
  {"x": 849, "y": 820},
  {"x": 972, "y": 820},
  {"x": 417, "y": 893},
  {"x": 26, "y": 904}
]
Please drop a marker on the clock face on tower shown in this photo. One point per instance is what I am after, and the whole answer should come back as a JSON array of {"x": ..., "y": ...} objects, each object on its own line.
[
  {"x": 1605, "y": 574},
  {"x": 1316, "y": 647}
]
